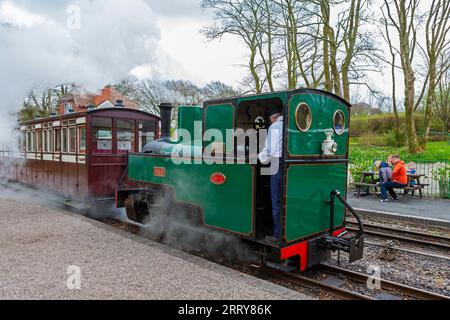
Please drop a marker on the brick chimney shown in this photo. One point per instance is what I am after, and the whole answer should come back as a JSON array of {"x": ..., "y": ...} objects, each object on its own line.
[{"x": 104, "y": 96}]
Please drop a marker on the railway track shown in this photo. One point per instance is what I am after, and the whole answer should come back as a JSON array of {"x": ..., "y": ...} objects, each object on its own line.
[
  {"x": 397, "y": 289},
  {"x": 429, "y": 241},
  {"x": 356, "y": 279},
  {"x": 313, "y": 284},
  {"x": 394, "y": 289}
]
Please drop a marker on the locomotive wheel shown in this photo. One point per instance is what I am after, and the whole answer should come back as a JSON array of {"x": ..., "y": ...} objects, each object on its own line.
[{"x": 136, "y": 208}]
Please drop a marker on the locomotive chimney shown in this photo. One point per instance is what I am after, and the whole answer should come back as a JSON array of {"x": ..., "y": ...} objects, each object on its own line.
[{"x": 166, "y": 112}]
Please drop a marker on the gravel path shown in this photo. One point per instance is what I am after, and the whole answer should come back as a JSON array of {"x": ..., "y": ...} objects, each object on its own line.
[{"x": 38, "y": 244}]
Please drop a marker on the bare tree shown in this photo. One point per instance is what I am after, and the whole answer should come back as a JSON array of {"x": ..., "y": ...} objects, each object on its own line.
[
  {"x": 149, "y": 94},
  {"x": 393, "y": 51},
  {"x": 284, "y": 37},
  {"x": 437, "y": 49},
  {"x": 349, "y": 51},
  {"x": 240, "y": 18},
  {"x": 40, "y": 103},
  {"x": 442, "y": 101},
  {"x": 402, "y": 15}
]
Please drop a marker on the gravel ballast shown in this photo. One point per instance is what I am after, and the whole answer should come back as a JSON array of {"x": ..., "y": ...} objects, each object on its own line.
[{"x": 38, "y": 245}]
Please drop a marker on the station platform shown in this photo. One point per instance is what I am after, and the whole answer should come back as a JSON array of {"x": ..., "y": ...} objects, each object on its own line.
[
  {"x": 424, "y": 211},
  {"x": 42, "y": 248}
]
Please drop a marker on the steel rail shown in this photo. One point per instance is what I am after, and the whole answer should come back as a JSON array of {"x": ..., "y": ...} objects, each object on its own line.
[
  {"x": 419, "y": 252},
  {"x": 385, "y": 284},
  {"x": 408, "y": 232},
  {"x": 303, "y": 281},
  {"x": 405, "y": 236}
]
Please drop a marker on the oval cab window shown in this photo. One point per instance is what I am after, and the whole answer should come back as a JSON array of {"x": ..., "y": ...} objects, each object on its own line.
[
  {"x": 303, "y": 117},
  {"x": 339, "y": 122}
]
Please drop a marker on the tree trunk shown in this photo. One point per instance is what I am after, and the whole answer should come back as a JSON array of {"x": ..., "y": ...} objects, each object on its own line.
[
  {"x": 409, "y": 111},
  {"x": 345, "y": 83},
  {"x": 430, "y": 102},
  {"x": 254, "y": 73},
  {"x": 394, "y": 100},
  {"x": 325, "y": 9}
]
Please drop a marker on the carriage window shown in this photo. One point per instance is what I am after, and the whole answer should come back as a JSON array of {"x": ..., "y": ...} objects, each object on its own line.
[
  {"x": 82, "y": 139},
  {"x": 339, "y": 122},
  {"x": 102, "y": 135},
  {"x": 23, "y": 141},
  {"x": 57, "y": 134},
  {"x": 146, "y": 133},
  {"x": 45, "y": 140},
  {"x": 38, "y": 141},
  {"x": 72, "y": 140},
  {"x": 50, "y": 140},
  {"x": 303, "y": 117},
  {"x": 125, "y": 136},
  {"x": 28, "y": 141},
  {"x": 64, "y": 140}
]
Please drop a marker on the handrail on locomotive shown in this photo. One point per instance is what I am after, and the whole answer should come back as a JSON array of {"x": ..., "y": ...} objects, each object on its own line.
[{"x": 353, "y": 246}]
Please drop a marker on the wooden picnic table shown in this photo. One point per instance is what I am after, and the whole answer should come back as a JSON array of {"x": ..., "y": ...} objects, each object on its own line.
[
  {"x": 414, "y": 184},
  {"x": 369, "y": 179}
]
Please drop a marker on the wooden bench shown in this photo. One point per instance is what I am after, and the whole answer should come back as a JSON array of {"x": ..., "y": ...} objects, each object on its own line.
[
  {"x": 413, "y": 188},
  {"x": 372, "y": 183},
  {"x": 367, "y": 180}
]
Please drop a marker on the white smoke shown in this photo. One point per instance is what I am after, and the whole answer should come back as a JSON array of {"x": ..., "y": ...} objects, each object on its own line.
[{"x": 88, "y": 42}]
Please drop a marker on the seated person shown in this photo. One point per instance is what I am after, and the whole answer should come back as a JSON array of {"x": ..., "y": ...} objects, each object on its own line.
[
  {"x": 399, "y": 179},
  {"x": 412, "y": 170},
  {"x": 384, "y": 171}
]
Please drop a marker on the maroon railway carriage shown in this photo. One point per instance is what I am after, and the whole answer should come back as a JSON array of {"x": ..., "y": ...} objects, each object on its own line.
[{"x": 81, "y": 156}]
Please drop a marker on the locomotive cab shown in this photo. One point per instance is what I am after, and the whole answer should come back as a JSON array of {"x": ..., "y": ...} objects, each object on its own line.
[{"x": 253, "y": 121}]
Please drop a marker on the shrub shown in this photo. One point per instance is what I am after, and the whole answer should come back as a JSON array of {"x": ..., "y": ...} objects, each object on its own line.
[
  {"x": 358, "y": 166},
  {"x": 371, "y": 140},
  {"x": 442, "y": 176},
  {"x": 380, "y": 124},
  {"x": 391, "y": 140}
]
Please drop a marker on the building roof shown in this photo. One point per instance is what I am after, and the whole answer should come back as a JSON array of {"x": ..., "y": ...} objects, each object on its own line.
[{"x": 108, "y": 93}]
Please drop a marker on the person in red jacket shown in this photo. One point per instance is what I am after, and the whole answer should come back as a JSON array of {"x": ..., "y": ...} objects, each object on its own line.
[{"x": 399, "y": 179}]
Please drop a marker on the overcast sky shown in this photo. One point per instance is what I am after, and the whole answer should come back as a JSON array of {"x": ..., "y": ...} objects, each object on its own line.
[
  {"x": 161, "y": 37},
  {"x": 99, "y": 42},
  {"x": 158, "y": 39}
]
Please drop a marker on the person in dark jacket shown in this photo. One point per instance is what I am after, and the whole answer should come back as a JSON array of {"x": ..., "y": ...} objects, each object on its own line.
[{"x": 384, "y": 171}]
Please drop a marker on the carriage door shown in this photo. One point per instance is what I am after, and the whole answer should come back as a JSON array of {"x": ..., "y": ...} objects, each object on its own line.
[{"x": 309, "y": 176}]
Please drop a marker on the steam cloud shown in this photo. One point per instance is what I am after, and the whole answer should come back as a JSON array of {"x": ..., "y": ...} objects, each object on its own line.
[
  {"x": 177, "y": 227},
  {"x": 180, "y": 227},
  {"x": 42, "y": 46}
]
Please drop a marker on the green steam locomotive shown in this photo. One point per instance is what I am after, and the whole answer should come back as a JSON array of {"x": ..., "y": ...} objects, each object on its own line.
[{"x": 218, "y": 183}]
